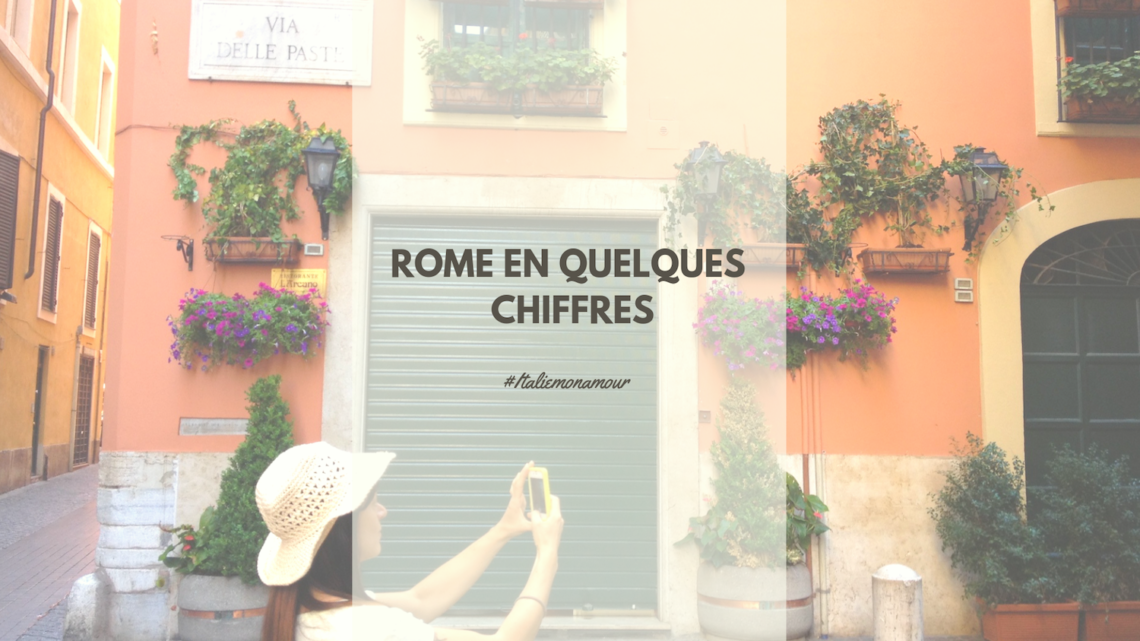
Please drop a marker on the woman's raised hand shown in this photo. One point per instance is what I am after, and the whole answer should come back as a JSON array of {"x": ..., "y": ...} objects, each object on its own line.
[
  {"x": 515, "y": 521},
  {"x": 548, "y": 531}
]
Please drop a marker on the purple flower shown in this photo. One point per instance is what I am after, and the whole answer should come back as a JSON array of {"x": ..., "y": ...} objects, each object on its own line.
[
  {"x": 820, "y": 340},
  {"x": 291, "y": 328}
]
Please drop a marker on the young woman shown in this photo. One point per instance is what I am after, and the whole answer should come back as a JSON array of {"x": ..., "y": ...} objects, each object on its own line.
[{"x": 320, "y": 505}]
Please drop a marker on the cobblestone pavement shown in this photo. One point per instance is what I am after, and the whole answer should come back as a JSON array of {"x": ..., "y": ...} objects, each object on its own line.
[{"x": 48, "y": 532}]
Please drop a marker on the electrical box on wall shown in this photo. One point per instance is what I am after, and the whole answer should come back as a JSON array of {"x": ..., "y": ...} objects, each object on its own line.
[
  {"x": 314, "y": 249},
  {"x": 963, "y": 296}
]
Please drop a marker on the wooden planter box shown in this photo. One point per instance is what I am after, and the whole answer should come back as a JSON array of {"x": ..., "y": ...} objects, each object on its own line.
[
  {"x": 480, "y": 97},
  {"x": 1103, "y": 110},
  {"x": 1092, "y": 8},
  {"x": 790, "y": 255},
  {"x": 1043, "y": 622},
  {"x": 1114, "y": 621},
  {"x": 905, "y": 260},
  {"x": 252, "y": 250}
]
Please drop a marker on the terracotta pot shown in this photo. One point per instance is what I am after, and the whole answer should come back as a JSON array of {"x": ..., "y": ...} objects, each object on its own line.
[
  {"x": 1090, "y": 8},
  {"x": 905, "y": 260},
  {"x": 1104, "y": 110},
  {"x": 754, "y": 604},
  {"x": 1113, "y": 621},
  {"x": 1036, "y": 622}
]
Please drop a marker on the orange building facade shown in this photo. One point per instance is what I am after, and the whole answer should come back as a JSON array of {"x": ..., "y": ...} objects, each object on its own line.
[{"x": 873, "y": 442}]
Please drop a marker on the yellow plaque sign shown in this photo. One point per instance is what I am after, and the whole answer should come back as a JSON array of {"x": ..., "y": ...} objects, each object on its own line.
[{"x": 300, "y": 280}]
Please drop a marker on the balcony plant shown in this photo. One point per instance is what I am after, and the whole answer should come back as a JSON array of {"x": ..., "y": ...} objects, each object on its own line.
[
  {"x": 251, "y": 193},
  {"x": 752, "y": 537},
  {"x": 482, "y": 78},
  {"x": 1090, "y": 517},
  {"x": 213, "y": 328},
  {"x": 1102, "y": 92},
  {"x": 980, "y": 516},
  {"x": 220, "y": 556}
]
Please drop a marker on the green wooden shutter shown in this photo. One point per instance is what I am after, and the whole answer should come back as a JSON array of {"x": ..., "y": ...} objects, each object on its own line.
[
  {"x": 437, "y": 361},
  {"x": 9, "y": 191},
  {"x": 51, "y": 255},
  {"x": 91, "y": 295}
]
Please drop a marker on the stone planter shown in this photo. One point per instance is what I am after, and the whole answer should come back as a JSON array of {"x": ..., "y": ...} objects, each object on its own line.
[
  {"x": 1113, "y": 621},
  {"x": 751, "y": 604},
  {"x": 1037, "y": 622},
  {"x": 217, "y": 608}
]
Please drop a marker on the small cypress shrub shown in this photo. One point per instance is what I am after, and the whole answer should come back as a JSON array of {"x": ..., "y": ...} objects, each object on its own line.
[
  {"x": 745, "y": 526},
  {"x": 236, "y": 532}
]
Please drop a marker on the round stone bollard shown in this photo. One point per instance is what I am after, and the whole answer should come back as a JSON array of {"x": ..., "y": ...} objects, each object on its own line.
[{"x": 896, "y": 593}]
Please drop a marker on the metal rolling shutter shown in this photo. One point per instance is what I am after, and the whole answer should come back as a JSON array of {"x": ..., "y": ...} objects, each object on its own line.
[
  {"x": 9, "y": 192},
  {"x": 437, "y": 364}
]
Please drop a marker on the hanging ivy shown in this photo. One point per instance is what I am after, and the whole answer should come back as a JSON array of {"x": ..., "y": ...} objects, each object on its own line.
[{"x": 253, "y": 190}]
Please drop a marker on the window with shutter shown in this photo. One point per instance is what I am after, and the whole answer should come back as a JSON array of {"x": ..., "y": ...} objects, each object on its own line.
[
  {"x": 9, "y": 190},
  {"x": 51, "y": 255},
  {"x": 91, "y": 294}
]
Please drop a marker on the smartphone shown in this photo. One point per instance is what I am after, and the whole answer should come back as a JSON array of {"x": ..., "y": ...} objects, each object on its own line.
[{"x": 539, "y": 484}]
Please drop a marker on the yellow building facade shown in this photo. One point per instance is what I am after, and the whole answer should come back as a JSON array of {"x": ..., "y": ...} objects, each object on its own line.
[{"x": 58, "y": 61}]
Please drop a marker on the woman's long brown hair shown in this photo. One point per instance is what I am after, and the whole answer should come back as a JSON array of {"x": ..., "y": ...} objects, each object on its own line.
[{"x": 332, "y": 572}]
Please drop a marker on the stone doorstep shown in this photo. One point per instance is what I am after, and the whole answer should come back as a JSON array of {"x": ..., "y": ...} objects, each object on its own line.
[{"x": 616, "y": 628}]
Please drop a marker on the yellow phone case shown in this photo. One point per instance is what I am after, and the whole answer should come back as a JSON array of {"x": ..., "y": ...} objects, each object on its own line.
[{"x": 545, "y": 487}]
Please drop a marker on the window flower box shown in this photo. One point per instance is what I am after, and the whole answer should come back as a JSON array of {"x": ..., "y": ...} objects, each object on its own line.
[
  {"x": 252, "y": 250},
  {"x": 905, "y": 260},
  {"x": 481, "y": 97},
  {"x": 1103, "y": 110},
  {"x": 1092, "y": 8},
  {"x": 790, "y": 255}
]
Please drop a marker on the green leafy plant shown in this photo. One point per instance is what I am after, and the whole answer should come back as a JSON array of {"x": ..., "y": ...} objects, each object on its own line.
[
  {"x": 253, "y": 190},
  {"x": 979, "y": 515},
  {"x": 213, "y": 328},
  {"x": 1117, "y": 80},
  {"x": 548, "y": 69},
  {"x": 1090, "y": 517},
  {"x": 188, "y": 544},
  {"x": 750, "y": 193},
  {"x": 227, "y": 542},
  {"x": 804, "y": 519},
  {"x": 746, "y": 520}
]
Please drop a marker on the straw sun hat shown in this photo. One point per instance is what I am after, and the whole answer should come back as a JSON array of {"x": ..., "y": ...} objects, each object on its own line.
[{"x": 301, "y": 494}]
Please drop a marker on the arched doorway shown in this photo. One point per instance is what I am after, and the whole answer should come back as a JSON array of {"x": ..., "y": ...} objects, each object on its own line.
[{"x": 1080, "y": 336}]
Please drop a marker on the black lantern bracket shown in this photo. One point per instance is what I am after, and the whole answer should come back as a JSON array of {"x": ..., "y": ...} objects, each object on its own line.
[
  {"x": 980, "y": 189},
  {"x": 321, "y": 157},
  {"x": 185, "y": 245}
]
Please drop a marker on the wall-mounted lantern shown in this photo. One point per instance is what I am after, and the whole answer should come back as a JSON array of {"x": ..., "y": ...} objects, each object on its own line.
[{"x": 321, "y": 157}]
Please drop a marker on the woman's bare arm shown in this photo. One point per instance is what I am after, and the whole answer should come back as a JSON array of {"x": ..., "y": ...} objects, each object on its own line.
[{"x": 442, "y": 588}]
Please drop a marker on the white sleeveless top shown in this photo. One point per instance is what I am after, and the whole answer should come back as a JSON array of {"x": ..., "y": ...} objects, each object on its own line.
[{"x": 362, "y": 623}]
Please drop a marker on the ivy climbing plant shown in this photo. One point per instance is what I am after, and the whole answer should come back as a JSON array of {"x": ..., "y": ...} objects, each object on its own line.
[{"x": 253, "y": 190}]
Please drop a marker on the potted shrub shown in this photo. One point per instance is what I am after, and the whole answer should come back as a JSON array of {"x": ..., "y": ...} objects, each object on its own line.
[
  {"x": 750, "y": 537},
  {"x": 980, "y": 516},
  {"x": 1090, "y": 515},
  {"x": 253, "y": 190},
  {"x": 548, "y": 81},
  {"x": 221, "y": 597},
  {"x": 1102, "y": 92}
]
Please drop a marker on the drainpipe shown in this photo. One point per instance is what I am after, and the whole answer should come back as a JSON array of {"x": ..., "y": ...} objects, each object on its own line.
[{"x": 40, "y": 143}]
